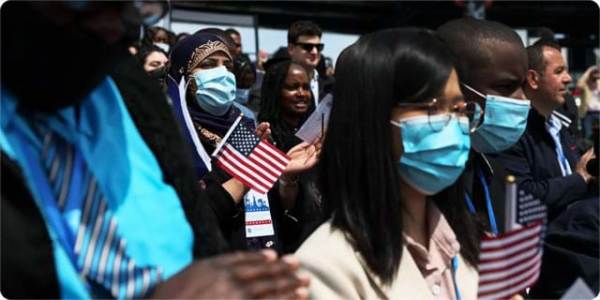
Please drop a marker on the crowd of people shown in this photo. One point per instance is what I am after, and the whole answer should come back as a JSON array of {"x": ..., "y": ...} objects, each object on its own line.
[{"x": 110, "y": 188}]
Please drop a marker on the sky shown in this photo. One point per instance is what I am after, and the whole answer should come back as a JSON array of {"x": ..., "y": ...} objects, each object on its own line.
[{"x": 270, "y": 39}]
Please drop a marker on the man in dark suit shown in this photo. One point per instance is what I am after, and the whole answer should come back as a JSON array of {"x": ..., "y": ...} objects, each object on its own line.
[
  {"x": 545, "y": 161},
  {"x": 304, "y": 48}
]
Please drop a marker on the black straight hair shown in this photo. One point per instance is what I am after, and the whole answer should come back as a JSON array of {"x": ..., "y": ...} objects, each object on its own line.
[
  {"x": 358, "y": 176},
  {"x": 146, "y": 50},
  {"x": 300, "y": 28}
]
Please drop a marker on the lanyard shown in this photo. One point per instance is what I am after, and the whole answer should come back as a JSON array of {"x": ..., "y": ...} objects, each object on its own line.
[
  {"x": 49, "y": 203},
  {"x": 488, "y": 204},
  {"x": 470, "y": 205},
  {"x": 454, "y": 268}
]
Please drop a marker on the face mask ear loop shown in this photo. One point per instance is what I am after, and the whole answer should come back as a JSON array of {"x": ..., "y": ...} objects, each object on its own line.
[
  {"x": 473, "y": 90},
  {"x": 395, "y": 123},
  {"x": 187, "y": 84}
]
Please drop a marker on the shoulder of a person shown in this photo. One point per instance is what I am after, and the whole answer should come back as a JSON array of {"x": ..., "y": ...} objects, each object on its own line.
[
  {"x": 326, "y": 243},
  {"x": 335, "y": 270}
]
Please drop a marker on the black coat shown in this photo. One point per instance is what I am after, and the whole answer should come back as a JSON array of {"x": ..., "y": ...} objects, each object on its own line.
[
  {"x": 533, "y": 161},
  {"x": 571, "y": 251}
]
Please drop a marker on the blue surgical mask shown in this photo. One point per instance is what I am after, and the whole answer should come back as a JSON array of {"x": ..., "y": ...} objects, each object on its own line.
[
  {"x": 216, "y": 90},
  {"x": 504, "y": 121},
  {"x": 242, "y": 96},
  {"x": 433, "y": 160}
]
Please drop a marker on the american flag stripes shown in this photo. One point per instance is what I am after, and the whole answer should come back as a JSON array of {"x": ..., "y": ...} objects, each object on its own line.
[
  {"x": 254, "y": 162},
  {"x": 510, "y": 262}
]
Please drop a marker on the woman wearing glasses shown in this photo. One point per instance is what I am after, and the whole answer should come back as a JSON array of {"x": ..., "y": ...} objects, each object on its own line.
[{"x": 398, "y": 137}]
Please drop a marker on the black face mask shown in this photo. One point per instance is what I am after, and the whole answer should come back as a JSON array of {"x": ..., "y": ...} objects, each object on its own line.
[
  {"x": 48, "y": 66},
  {"x": 160, "y": 75}
]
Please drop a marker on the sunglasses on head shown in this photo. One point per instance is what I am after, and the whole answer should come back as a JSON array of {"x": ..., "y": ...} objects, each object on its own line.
[{"x": 308, "y": 46}]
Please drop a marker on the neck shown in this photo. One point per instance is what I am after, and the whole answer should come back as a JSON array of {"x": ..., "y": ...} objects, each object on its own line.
[
  {"x": 415, "y": 214},
  {"x": 310, "y": 70},
  {"x": 291, "y": 120},
  {"x": 539, "y": 104},
  {"x": 542, "y": 109}
]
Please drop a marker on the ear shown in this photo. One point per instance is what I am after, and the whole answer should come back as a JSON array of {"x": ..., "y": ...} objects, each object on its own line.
[
  {"x": 290, "y": 48},
  {"x": 533, "y": 79}
]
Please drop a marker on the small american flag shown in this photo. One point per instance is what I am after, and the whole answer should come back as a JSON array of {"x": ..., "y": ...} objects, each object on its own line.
[
  {"x": 510, "y": 262},
  {"x": 257, "y": 164},
  {"x": 529, "y": 209}
]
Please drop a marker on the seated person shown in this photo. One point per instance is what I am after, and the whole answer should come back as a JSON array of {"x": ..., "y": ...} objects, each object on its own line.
[
  {"x": 286, "y": 103},
  {"x": 491, "y": 65},
  {"x": 396, "y": 141},
  {"x": 89, "y": 207},
  {"x": 544, "y": 160},
  {"x": 203, "y": 90}
]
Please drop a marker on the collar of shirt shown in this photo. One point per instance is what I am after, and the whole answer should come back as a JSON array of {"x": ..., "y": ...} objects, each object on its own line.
[
  {"x": 553, "y": 123},
  {"x": 63, "y": 121},
  {"x": 443, "y": 245}
]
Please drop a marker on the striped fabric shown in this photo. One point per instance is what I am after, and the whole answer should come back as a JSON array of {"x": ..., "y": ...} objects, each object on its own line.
[
  {"x": 510, "y": 262},
  {"x": 553, "y": 126},
  {"x": 100, "y": 251},
  {"x": 254, "y": 162}
]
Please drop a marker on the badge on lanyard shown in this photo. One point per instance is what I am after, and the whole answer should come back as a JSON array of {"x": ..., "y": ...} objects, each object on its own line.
[{"x": 258, "y": 215}]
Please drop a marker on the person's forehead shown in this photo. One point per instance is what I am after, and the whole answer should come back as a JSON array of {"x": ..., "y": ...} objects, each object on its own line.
[
  {"x": 501, "y": 60},
  {"x": 296, "y": 73},
  {"x": 161, "y": 33},
  {"x": 218, "y": 55},
  {"x": 552, "y": 56},
  {"x": 157, "y": 56},
  {"x": 309, "y": 39},
  {"x": 451, "y": 92}
]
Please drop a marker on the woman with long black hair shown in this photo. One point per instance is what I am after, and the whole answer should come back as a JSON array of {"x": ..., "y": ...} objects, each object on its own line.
[
  {"x": 286, "y": 102},
  {"x": 398, "y": 137}
]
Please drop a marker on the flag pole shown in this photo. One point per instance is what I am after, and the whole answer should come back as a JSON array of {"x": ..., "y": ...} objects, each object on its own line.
[
  {"x": 510, "y": 203},
  {"x": 220, "y": 145}
]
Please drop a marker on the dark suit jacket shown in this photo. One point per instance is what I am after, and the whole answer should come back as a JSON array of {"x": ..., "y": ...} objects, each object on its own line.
[
  {"x": 533, "y": 161},
  {"x": 326, "y": 85},
  {"x": 571, "y": 251}
]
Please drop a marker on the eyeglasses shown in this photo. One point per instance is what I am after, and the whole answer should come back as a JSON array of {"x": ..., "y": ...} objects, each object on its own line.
[
  {"x": 469, "y": 109},
  {"x": 309, "y": 46}
]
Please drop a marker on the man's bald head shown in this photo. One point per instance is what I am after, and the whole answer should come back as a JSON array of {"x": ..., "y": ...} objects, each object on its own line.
[
  {"x": 490, "y": 56},
  {"x": 474, "y": 42}
]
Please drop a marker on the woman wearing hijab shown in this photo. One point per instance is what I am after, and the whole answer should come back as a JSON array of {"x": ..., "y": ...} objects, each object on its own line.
[{"x": 203, "y": 90}]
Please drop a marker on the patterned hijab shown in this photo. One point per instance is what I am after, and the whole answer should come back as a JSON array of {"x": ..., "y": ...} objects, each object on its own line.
[
  {"x": 185, "y": 56},
  {"x": 189, "y": 52}
]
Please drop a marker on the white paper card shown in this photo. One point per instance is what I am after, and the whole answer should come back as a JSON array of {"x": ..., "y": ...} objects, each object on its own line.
[
  {"x": 579, "y": 290},
  {"x": 258, "y": 215},
  {"x": 312, "y": 127}
]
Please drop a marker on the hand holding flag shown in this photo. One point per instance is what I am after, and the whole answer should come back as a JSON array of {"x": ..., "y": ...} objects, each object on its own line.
[{"x": 254, "y": 162}]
